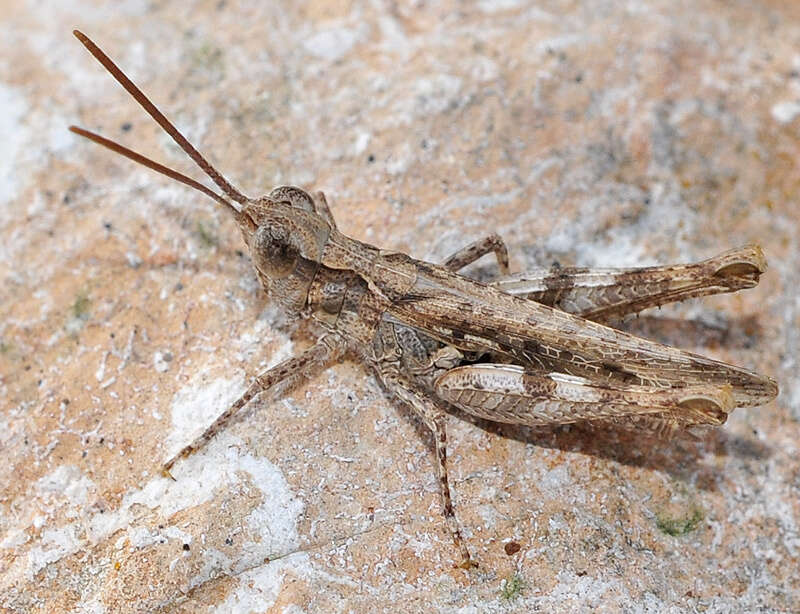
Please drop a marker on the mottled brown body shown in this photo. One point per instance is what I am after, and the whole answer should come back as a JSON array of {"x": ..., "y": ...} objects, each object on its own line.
[{"x": 527, "y": 349}]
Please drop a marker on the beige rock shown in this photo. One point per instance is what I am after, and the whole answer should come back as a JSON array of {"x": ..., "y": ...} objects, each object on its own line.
[{"x": 586, "y": 133}]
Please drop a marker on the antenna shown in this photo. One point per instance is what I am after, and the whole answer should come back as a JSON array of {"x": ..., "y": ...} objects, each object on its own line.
[
  {"x": 162, "y": 121},
  {"x": 151, "y": 164}
]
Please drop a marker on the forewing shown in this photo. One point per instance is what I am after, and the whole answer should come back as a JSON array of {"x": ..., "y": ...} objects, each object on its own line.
[{"x": 471, "y": 316}]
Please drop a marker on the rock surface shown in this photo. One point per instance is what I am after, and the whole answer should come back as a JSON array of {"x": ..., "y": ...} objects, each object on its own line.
[{"x": 589, "y": 133}]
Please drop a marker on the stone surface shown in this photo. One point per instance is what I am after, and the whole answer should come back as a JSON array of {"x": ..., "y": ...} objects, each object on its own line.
[{"x": 592, "y": 133}]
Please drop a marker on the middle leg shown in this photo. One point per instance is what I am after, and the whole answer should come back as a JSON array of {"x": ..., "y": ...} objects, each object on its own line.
[
  {"x": 473, "y": 251},
  {"x": 436, "y": 420}
]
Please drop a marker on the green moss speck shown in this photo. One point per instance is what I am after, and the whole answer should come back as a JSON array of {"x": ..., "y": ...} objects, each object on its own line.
[
  {"x": 207, "y": 57},
  {"x": 206, "y": 237},
  {"x": 80, "y": 307},
  {"x": 512, "y": 587},
  {"x": 680, "y": 525}
]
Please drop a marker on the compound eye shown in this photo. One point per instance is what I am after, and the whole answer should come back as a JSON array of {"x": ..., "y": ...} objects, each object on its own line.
[{"x": 273, "y": 253}]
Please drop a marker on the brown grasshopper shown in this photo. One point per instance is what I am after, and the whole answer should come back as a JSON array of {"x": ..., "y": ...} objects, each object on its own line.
[{"x": 528, "y": 349}]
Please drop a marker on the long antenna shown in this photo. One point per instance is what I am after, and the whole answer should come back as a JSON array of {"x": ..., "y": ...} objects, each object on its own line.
[
  {"x": 157, "y": 115},
  {"x": 159, "y": 168}
]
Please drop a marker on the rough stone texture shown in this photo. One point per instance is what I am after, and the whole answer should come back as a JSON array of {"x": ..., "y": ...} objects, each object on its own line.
[{"x": 585, "y": 132}]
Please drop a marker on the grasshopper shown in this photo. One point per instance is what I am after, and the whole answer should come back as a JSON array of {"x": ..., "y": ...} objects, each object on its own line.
[{"x": 529, "y": 349}]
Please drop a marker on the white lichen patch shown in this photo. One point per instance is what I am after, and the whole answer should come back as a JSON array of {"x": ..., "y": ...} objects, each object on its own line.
[
  {"x": 53, "y": 545},
  {"x": 15, "y": 135},
  {"x": 276, "y": 518},
  {"x": 161, "y": 361},
  {"x": 13, "y": 538},
  {"x": 65, "y": 483},
  {"x": 258, "y": 589},
  {"x": 428, "y": 95},
  {"x": 556, "y": 479},
  {"x": 221, "y": 467},
  {"x": 497, "y": 6},
  {"x": 272, "y": 525},
  {"x": 785, "y": 112},
  {"x": 197, "y": 404},
  {"x": 331, "y": 44}
]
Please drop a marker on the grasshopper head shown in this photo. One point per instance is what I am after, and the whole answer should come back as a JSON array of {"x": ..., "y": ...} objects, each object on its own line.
[
  {"x": 282, "y": 230},
  {"x": 286, "y": 243}
]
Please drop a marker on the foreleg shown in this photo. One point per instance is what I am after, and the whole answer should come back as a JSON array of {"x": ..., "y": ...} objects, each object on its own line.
[
  {"x": 435, "y": 419},
  {"x": 288, "y": 373}
]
